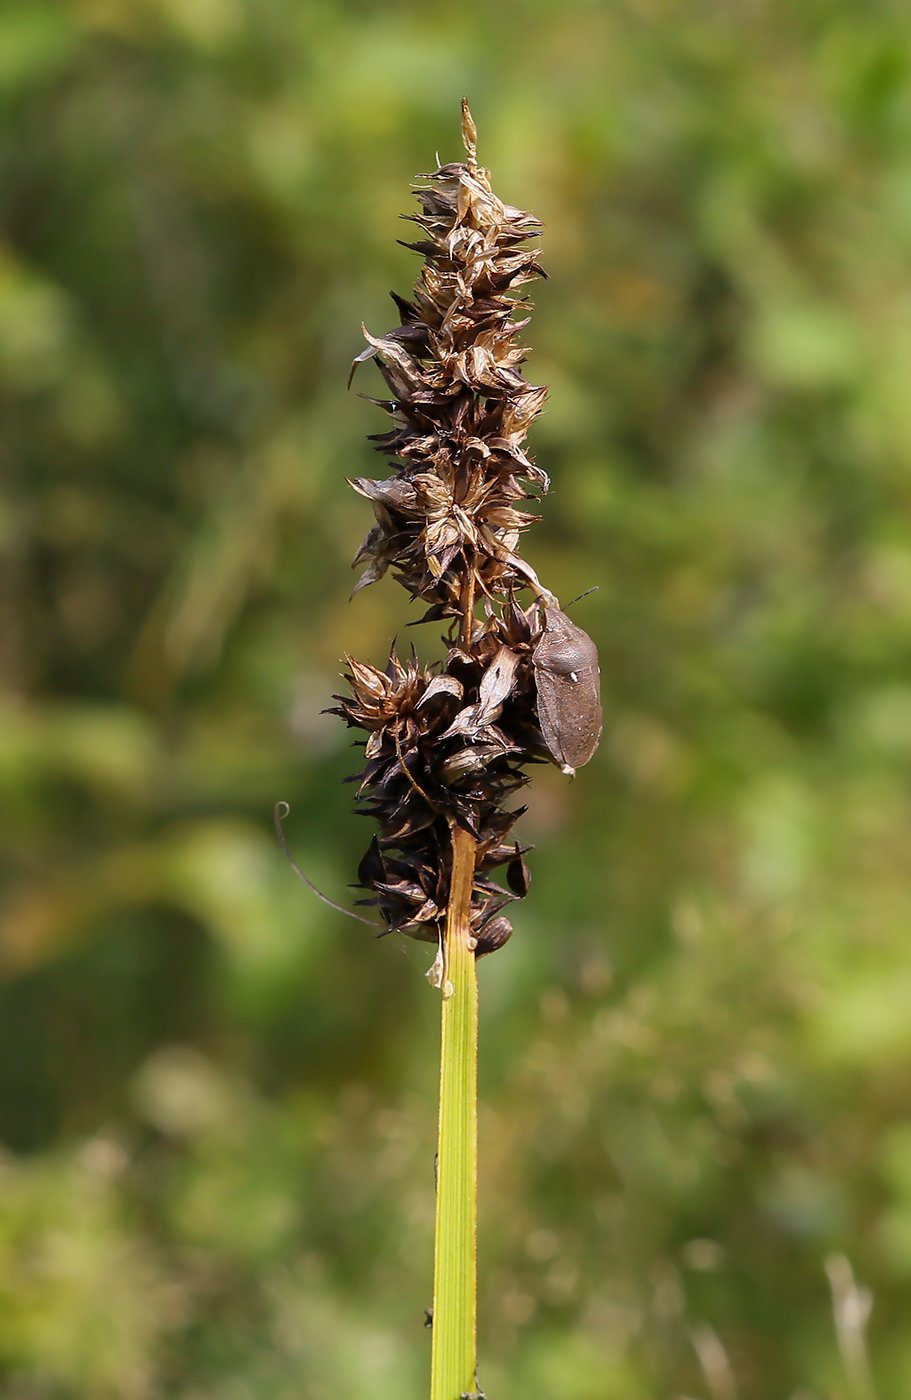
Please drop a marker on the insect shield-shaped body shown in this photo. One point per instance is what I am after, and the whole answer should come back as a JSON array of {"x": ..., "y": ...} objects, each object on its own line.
[{"x": 568, "y": 683}]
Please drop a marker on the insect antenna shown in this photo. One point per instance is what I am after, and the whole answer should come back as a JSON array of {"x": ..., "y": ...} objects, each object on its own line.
[{"x": 340, "y": 908}]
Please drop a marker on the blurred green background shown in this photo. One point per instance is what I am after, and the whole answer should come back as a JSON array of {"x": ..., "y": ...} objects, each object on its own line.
[{"x": 217, "y": 1098}]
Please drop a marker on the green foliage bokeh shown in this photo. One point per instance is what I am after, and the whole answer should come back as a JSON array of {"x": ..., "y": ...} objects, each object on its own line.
[{"x": 216, "y": 1096}]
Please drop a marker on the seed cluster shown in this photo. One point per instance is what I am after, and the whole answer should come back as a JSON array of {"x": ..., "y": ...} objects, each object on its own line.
[{"x": 447, "y": 744}]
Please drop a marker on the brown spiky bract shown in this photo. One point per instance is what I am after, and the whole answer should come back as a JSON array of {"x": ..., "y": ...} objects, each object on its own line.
[{"x": 447, "y": 745}]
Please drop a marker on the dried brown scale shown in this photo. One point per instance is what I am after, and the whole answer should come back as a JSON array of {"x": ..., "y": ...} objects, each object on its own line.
[{"x": 448, "y": 745}]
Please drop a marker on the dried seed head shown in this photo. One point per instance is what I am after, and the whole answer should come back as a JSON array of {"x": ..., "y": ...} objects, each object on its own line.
[
  {"x": 447, "y": 745},
  {"x": 459, "y": 406}
]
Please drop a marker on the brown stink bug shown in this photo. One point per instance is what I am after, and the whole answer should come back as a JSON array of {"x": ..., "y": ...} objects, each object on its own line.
[{"x": 568, "y": 682}]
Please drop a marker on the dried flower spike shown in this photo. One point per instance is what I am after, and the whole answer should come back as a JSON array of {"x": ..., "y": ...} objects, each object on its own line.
[{"x": 448, "y": 745}]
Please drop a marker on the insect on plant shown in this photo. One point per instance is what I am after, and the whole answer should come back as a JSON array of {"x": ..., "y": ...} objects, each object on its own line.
[{"x": 447, "y": 744}]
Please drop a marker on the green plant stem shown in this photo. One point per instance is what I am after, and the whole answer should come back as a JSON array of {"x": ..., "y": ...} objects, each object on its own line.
[{"x": 455, "y": 1262}]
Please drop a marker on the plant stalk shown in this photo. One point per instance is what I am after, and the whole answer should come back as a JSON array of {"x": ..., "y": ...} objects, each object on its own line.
[{"x": 453, "y": 1366}]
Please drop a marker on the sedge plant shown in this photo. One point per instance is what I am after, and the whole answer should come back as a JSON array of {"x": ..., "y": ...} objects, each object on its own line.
[{"x": 448, "y": 744}]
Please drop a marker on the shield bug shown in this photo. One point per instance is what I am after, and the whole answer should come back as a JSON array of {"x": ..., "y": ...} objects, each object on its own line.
[{"x": 568, "y": 682}]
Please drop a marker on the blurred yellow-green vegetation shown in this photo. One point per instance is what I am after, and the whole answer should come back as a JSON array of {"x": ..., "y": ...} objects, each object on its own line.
[{"x": 218, "y": 1097}]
